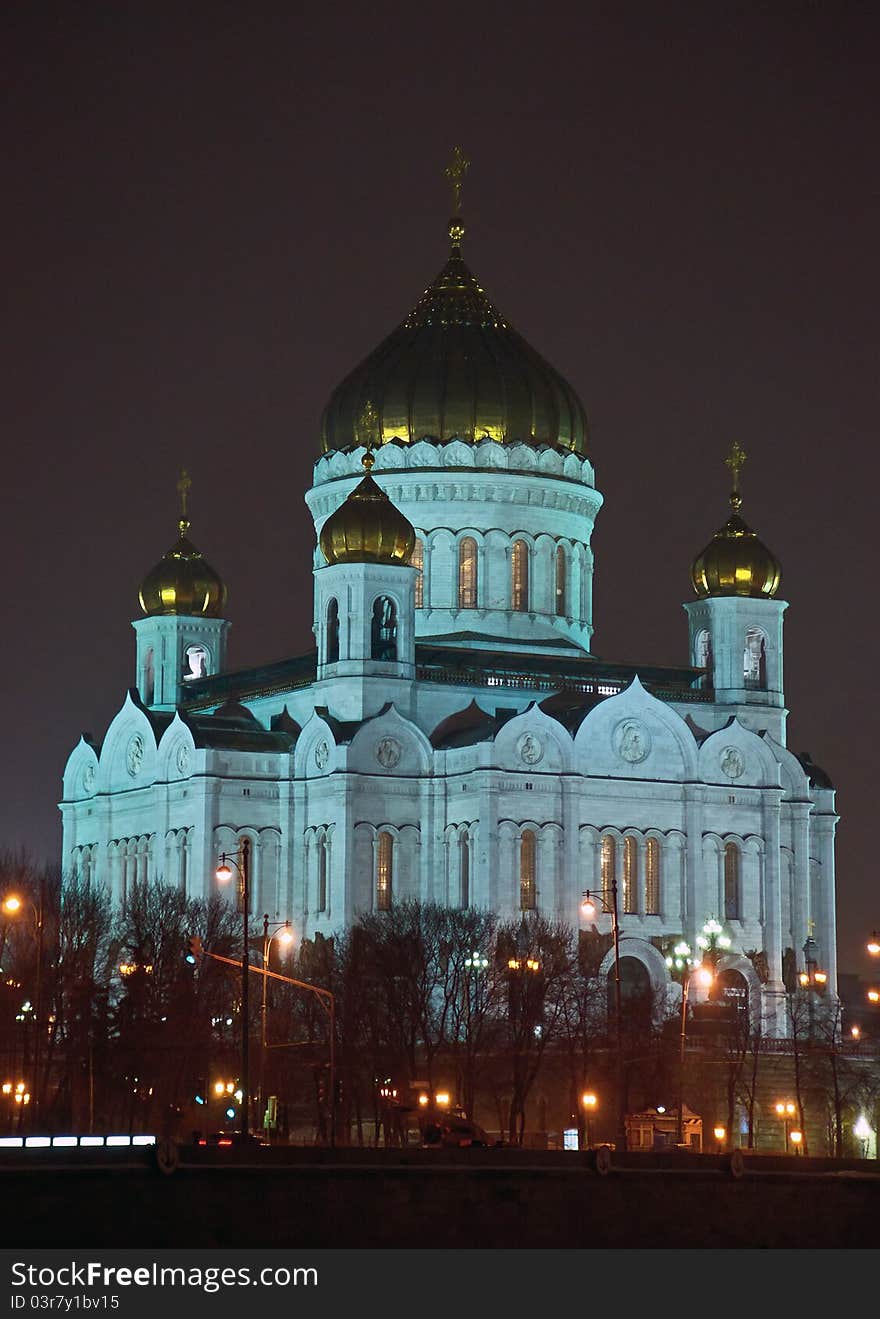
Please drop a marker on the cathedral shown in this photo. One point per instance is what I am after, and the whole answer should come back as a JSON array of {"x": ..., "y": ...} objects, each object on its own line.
[{"x": 452, "y": 737}]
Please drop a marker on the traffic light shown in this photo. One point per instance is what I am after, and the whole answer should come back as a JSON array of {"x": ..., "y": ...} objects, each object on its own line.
[
  {"x": 337, "y": 1092},
  {"x": 201, "y": 1091},
  {"x": 194, "y": 950}
]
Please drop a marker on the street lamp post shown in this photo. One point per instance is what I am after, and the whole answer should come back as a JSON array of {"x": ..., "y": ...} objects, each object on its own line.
[
  {"x": 11, "y": 906},
  {"x": 681, "y": 960},
  {"x": 224, "y": 872},
  {"x": 285, "y": 935},
  {"x": 589, "y": 910},
  {"x": 589, "y": 1102},
  {"x": 786, "y": 1109}
]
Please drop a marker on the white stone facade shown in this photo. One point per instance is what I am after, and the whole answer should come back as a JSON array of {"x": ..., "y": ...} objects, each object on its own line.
[{"x": 363, "y": 780}]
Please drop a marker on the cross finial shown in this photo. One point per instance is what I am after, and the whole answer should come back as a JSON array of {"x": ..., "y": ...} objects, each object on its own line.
[
  {"x": 734, "y": 461},
  {"x": 183, "y": 486},
  {"x": 455, "y": 172},
  {"x": 367, "y": 431},
  {"x": 811, "y": 927}
]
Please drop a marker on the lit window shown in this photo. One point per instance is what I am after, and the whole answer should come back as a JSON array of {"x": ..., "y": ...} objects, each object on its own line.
[
  {"x": 384, "y": 871},
  {"x": 652, "y": 877},
  {"x": 608, "y": 861},
  {"x": 418, "y": 561},
  {"x": 630, "y": 874},
  {"x": 519, "y": 577},
  {"x": 755, "y": 660},
  {"x": 332, "y": 632},
  {"x": 527, "y": 857},
  {"x": 731, "y": 882},
  {"x": 196, "y": 663},
  {"x": 383, "y": 635},
  {"x": 467, "y": 573},
  {"x": 561, "y": 583}
]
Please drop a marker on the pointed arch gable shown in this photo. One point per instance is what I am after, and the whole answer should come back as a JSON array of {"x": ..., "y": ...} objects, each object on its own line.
[
  {"x": 129, "y": 753},
  {"x": 634, "y": 735},
  {"x": 735, "y": 756},
  {"x": 533, "y": 742}
]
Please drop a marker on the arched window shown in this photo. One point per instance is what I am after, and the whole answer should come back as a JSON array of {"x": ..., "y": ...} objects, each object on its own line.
[
  {"x": 196, "y": 663},
  {"x": 384, "y": 871},
  {"x": 183, "y": 861},
  {"x": 418, "y": 562},
  {"x": 467, "y": 573},
  {"x": 519, "y": 577},
  {"x": 322, "y": 873},
  {"x": 755, "y": 660},
  {"x": 608, "y": 862},
  {"x": 527, "y": 859},
  {"x": 731, "y": 882},
  {"x": 630, "y": 875},
  {"x": 464, "y": 889},
  {"x": 149, "y": 677},
  {"x": 383, "y": 635},
  {"x": 561, "y": 583},
  {"x": 703, "y": 657},
  {"x": 652, "y": 877},
  {"x": 333, "y": 632}
]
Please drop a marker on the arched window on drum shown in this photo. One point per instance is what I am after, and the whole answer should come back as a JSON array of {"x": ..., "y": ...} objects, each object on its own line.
[
  {"x": 418, "y": 562},
  {"x": 561, "y": 593},
  {"x": 519, "y": 577},
  {"x": 467, "y": 573}
]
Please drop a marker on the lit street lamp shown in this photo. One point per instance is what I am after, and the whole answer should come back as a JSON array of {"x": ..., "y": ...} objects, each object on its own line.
[
  {"x": 224, "y": 873},
  {"x": 681, "y": 962},
  {"x": 589, "y": 1103},
  {"x": 786, "y": 1110},
  {"x": 11, "y": 906},
  {"x": 589, "y": 910},
  {"x": 282, "y": 931}
]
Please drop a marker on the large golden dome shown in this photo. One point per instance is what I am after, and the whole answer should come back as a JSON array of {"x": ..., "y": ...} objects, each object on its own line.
[
  {"x": 736, "y": 562},
  {"x": 367, "y": 527},
  {"x": 455, "y": 369},
  {"x": 182, "y": 582}
]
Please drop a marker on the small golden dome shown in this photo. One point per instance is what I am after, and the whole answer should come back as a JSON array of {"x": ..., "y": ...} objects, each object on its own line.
[
  {"x": 367, "y": 527},
  {"x": 182, "y": 582},
  {"x": 736, "y": 562}
]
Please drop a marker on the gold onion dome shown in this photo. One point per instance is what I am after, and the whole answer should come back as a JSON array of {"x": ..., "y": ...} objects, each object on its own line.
[
  {"x": 367, "y": 527},
  {"x": 736, "y": 562},
  {"x": 455, "y": 369},
  {"x": 182, "y": 582}
]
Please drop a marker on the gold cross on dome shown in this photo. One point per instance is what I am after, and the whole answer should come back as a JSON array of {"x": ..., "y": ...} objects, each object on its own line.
[
  {"x": 811, "y": 927},
  {"x": 455, "y": 172},
  {"x": 183, "y": 486},
  {"x": 735, "y": 460}
]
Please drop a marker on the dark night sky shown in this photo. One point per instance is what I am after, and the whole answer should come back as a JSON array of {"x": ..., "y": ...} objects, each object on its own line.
[{"x": 212, "y": 211}]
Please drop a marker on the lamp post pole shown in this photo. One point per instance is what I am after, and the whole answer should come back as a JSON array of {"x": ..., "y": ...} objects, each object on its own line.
[
  {"x": 242, "y": 865},
  {"x": 679, "y": 1124},
  {"x": 588, "y": 907},
  {"x": 282, "y": 928}
]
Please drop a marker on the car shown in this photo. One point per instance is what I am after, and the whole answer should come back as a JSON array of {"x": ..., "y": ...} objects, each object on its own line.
[
  {"x": 226, "y": 1139},
  {"x": 455, "y": 1133}
]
